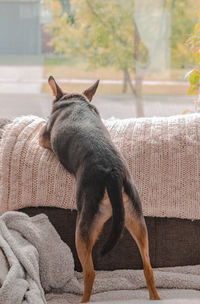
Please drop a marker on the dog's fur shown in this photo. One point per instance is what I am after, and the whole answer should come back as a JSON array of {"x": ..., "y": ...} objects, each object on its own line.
[{"x": 78, "y": 137}]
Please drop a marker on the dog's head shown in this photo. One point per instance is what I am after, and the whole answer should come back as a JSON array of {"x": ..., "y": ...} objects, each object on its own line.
[
  {"x": 63, "y": 96},
  {"x": 60, "y": 98}
]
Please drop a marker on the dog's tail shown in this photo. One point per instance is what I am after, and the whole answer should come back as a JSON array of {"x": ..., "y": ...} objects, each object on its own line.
[{"x": 114, "y": 189}]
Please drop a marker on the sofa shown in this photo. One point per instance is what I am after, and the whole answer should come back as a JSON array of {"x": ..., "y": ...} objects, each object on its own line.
[{"x": 173, "y": 241}]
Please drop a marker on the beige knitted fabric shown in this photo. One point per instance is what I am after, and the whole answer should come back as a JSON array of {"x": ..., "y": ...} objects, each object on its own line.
[{"x": 163, "y": 155}]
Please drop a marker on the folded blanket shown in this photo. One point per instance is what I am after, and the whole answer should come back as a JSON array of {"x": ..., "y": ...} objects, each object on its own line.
[
  {"x": 172, "y": 282},
  {"x": 169, "y": 296},
  {"x": 38, "y": 261},
  {"x": 163, "y": 155}
]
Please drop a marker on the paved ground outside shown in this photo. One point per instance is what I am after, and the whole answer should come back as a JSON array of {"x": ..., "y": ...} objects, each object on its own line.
[
  {"x": 14, "y": 73},
  {"x": 20, "y": 94},
  {"x": 121, "y": 106}
]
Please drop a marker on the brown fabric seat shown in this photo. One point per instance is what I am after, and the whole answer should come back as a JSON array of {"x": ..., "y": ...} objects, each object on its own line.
[{"x": 172, "y": 242}]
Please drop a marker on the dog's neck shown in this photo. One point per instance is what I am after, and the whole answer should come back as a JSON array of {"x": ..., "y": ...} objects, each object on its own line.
[
  {"x": 67, "y": 100},
  {"x": 70, "y": 99}
]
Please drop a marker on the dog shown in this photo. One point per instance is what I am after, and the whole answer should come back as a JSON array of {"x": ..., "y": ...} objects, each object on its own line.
[{"x": 81, "y": 142}]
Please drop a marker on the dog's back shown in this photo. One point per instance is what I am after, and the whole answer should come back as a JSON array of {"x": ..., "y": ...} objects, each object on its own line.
[
  {"x": 83, "y": 146},
  {"x": 80, "y": 137}
]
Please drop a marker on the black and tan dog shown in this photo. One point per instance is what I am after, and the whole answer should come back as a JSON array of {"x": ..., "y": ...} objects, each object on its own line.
[{"x": 77, "y": 135}]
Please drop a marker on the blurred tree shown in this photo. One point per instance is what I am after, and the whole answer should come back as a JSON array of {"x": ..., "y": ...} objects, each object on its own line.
[
  {"x": 105, "y": 34},
  {"x": 66, "y": 7},
  {"x": 194, "y": 75},
  {"x": 183, "y": 18}
]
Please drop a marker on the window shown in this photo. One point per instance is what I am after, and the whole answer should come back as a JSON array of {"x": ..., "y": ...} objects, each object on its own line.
[{"x": 137, "y": 48}]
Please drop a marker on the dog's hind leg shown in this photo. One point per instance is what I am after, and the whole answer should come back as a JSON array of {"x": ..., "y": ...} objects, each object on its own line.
[
  {"x": 84, "y": 250},
  {"x": 87, "y": 232},
  {"x": 135, "y": 223}
]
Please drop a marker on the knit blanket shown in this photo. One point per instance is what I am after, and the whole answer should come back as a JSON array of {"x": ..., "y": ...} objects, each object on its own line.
[
  {"x": 163, "y": 156},
  {"x": 124, "y": 285},
  {"x": 40, "y": 269}
]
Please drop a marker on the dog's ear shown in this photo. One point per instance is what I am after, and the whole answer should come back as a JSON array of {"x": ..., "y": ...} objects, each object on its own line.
[
  {"x": 57, "y": 92},
  {"x": 89, "y": 93}
]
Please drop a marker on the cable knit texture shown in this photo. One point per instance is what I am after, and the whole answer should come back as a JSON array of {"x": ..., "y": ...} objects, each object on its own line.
[{"x": 163, "y": 156}]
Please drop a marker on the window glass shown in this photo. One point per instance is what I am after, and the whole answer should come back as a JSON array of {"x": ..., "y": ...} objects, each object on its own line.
[{"x": 137, "y": 48}]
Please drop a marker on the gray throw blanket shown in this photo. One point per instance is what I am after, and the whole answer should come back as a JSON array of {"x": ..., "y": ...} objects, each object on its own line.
[
  {"x": 36, "y": 266},
  {"x": 36, "y": 259}
]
